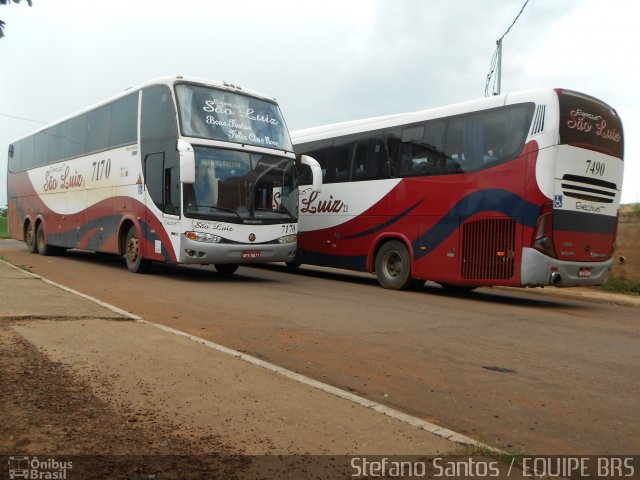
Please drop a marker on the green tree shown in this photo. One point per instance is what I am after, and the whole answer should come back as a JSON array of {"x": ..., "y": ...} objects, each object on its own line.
[{"x": 5, "y": 2}]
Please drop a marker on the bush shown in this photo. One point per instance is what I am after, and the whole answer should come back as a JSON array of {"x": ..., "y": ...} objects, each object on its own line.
[
  {"x": 4, "y": 231},
  {"x": 621, "y": 284}
]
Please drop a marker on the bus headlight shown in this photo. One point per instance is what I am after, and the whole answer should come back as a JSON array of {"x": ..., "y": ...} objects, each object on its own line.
[
  {"x": 203, "y": 237},
  {"x": 287, "y": 239}
]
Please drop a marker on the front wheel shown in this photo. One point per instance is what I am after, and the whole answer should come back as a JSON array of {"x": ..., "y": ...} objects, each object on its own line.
[
  {"x": 132, "y": 254},
  {"x": 393, "y": 266}
]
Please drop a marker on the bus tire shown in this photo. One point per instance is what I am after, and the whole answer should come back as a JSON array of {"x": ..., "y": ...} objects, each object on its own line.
[
  {"x": 393, "y": 266},
  {"x": 132, "y": 255},
  {"x": 30, "y": 238},
  {"x": 226, "y": 268},
  {"x": 41, "y": 241}
]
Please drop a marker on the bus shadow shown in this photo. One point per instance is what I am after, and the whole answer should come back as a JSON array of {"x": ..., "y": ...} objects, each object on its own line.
[
  {"x": 185, "y": 273},
  {"x": 482, "y": 294}
]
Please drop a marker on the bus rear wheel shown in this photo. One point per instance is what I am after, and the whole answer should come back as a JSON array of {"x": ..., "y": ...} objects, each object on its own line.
[
  {"x": 132, "y": 255},
  {"x": 30, "y": 238},
  {"x": 41, "y": 242},
  {"x": 393, "y": 266}
]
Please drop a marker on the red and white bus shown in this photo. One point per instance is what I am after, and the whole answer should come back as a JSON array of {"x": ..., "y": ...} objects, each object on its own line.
[
  {"x": 174, "y": 170},
  {"x": 520, "y": 189}
]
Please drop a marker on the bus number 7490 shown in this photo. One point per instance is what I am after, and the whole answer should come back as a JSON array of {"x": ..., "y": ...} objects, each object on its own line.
[{"x": 595, "y": 168}]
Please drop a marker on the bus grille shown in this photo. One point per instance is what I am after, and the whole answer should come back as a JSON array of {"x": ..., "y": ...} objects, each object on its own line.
[
  {"x": 488, "y": 249},
  {"x": 589, "y": 189}
]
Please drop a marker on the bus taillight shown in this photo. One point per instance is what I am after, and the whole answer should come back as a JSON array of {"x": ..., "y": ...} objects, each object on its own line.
[{"x": 543, "y": 237}]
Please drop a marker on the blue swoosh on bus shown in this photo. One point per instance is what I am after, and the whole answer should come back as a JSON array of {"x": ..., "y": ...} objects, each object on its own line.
[{"x": 495, "y": 200}]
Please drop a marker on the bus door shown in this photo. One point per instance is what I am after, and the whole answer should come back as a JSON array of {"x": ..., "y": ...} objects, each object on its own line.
[
  {"x": 162, "y": 177},
  {"x": 160, "y": 163}
]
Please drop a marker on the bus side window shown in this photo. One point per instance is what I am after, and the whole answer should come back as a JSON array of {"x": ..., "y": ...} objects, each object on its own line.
[
  {"x": 341, "y": 163},
  {"x": 368, "y": 156},
  {"x": 153, "y": 174},
  {"x": 172, "y": 190},
  {"x": 305, "y": 177},
  {"x": 322, "y": 157},
  {"x": 98, "y": 123}
]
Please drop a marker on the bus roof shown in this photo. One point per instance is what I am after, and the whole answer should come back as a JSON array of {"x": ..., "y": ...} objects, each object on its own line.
[
  {"x": 377, "y": 123},
  {"x": 168, "y": 80}
]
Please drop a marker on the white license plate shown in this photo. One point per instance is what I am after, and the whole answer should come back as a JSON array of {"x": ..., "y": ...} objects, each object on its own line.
[
  {"x": 584, "y": 272},
  {"x": 251, "y": 255}
]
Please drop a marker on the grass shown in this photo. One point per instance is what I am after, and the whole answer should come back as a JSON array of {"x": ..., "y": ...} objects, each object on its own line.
[
  {"x": 621, "y": 284},
  {"x": 4, "y": 232}
]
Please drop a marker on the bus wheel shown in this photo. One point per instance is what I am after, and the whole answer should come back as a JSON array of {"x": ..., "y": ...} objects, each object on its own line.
[
  {"x": 30, "y": 238},
  {"x": 41, "y": 242},
  {"x": 393, "y": 266},
  {"x": 135, "y": 262},
  {"x": 226, "y": 268}
]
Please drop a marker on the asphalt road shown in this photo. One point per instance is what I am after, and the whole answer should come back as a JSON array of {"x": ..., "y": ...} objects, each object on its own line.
[{"x": 520, "y": 371}]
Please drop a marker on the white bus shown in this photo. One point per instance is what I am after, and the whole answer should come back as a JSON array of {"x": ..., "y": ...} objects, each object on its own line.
[
  {"x": 520, "y": 189},
  {"x": 177, "y": 170}
]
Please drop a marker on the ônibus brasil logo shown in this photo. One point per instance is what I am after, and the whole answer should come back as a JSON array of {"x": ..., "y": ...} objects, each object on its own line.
[{"x": 35, "y": 468}]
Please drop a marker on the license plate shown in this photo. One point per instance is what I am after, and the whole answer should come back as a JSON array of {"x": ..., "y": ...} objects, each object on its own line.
[
  {"x": 584, "y": 272},
  {"x": 251, "y": 255}
]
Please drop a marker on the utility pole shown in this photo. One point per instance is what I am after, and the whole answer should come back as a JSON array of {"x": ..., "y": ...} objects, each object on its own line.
[
  {"x": 499, "y": 68},
  {"x": 496, "y": 60}
]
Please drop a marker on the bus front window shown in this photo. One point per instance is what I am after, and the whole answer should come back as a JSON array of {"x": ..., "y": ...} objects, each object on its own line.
[{"x": 239, "y": 185}]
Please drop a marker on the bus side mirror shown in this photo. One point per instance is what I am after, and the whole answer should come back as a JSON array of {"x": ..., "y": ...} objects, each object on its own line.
[
  {"x": 316, "y": 171},
  {"x": 187, "y": 162}
]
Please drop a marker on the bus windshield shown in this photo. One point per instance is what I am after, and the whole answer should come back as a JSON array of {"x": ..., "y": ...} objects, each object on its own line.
[
  {"x": 216, "y": 114},
  {"x": 236, "y": 186}
]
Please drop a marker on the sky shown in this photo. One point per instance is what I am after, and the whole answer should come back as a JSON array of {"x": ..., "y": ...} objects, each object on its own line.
[{"x": 324, "y": 61}]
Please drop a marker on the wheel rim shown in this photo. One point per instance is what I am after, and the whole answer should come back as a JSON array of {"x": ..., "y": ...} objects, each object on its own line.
[
  {"x": 393, "y": 265},
  {"x": 30, "y": 235},
  {"x": 40, "y": 239},
  {"x": 133, "y": 249}
]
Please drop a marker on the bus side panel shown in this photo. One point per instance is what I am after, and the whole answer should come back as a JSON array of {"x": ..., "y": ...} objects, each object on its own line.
[
  {"x": 436, "y": 250},
  {"x": 436, "y": 215},
  {"x": 95, "y": 227},
  {"x": 23, "y": 203}
]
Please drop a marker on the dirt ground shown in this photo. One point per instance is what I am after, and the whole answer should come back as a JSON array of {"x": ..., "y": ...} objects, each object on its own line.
[
  {"x": 37, "y": 396},
  {"x": 48, "y": 413}
]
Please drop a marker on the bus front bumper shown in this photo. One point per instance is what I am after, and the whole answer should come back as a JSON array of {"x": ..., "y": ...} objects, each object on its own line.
[
  {"x": 192, "y": 252},
  {"x": 538, "y": 270}
]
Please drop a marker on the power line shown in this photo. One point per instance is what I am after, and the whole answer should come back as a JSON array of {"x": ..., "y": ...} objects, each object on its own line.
[
  {"x": 22, "y": 118},
  {"x": 515, "y": 20},
  {"x": 495, "y": 60}
]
